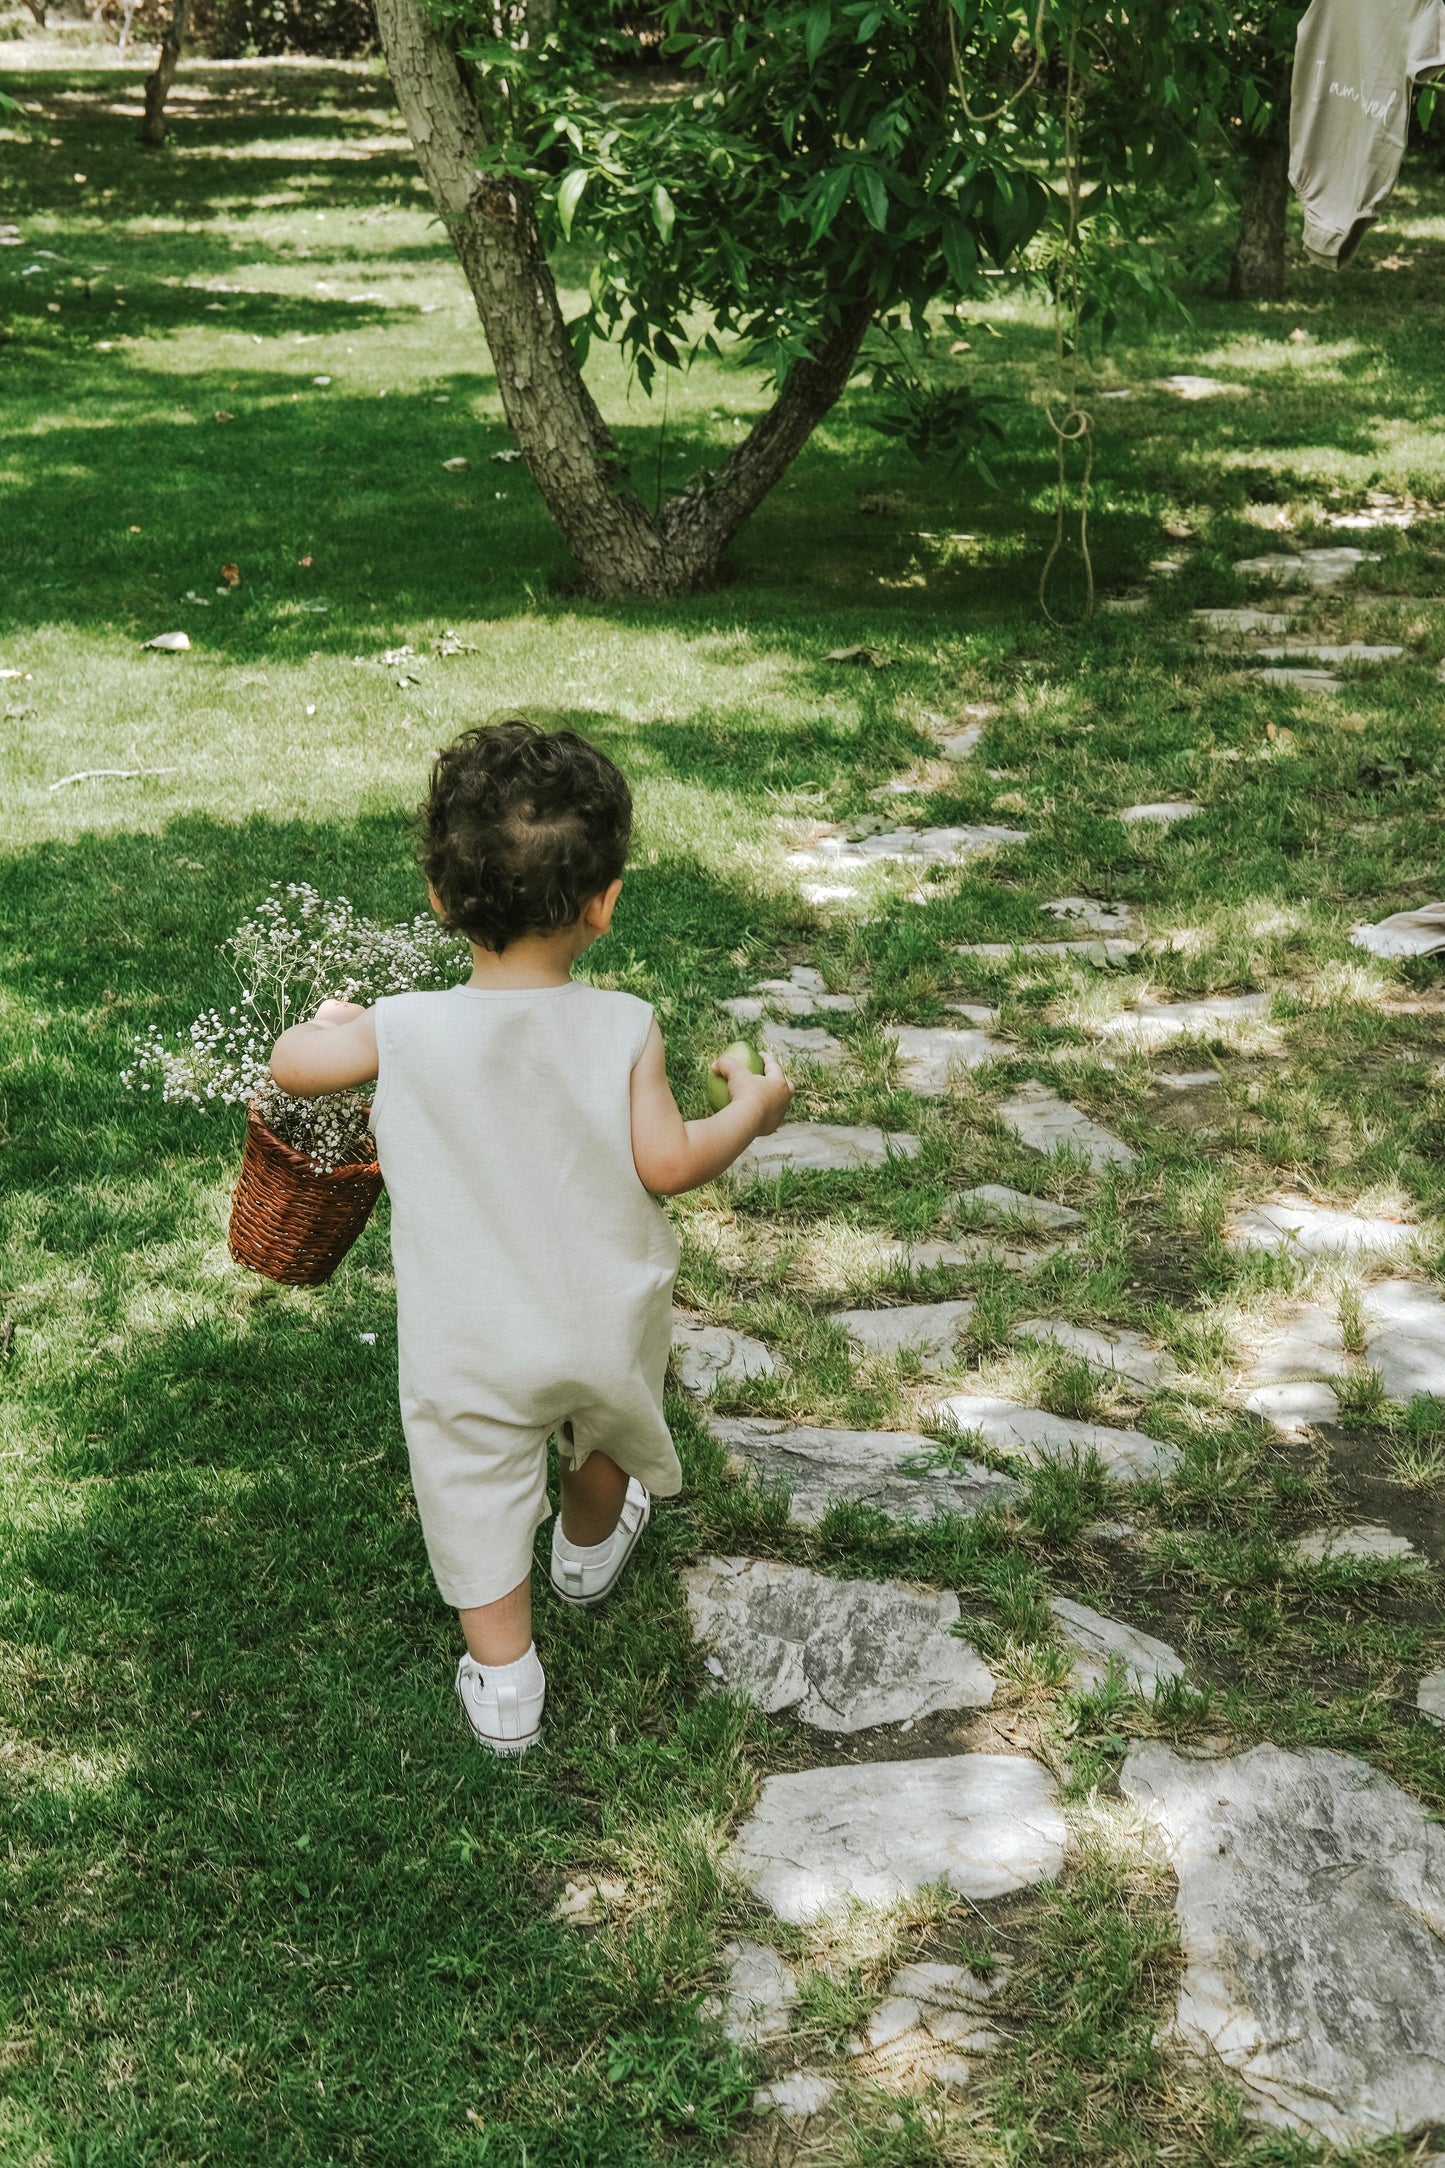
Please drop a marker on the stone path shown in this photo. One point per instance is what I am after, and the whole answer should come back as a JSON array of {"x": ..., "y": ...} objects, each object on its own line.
[
  {"x": 920, "y": 846},
  {"x": 926, "y": 1330},
  {"x": 873, "y": 1832},
  {"x": 1287, "y": 1379},
  {"x": 1405, "y": 1338},
  {"x": 994, "y": 1201},
  {"x": 1100, "y": 1645},
  {"x": 887, "y": 1469},
  {"x": 929, "y": 1057},
  {"x": 840, "y": 1655},
  {"x": 825, "y": 1148},
  {"x": 704, "y": 1355},
  {"x": 1364, "y": 1540},
  {"x": 1042, "y": 1120},
  {"x": 1307, "y": 568},
  {"x": 794, "y": 1043},
  {"x": 1430, "y": 1697},
  {"x": 1314, "y": 1230},
  {"x": 1035, "y": 1436},
  {"x": 998, "y": 951},
  {"x": 759, "y": 1997},
  {"x": 1115, "y": 1349},
  {"x": 1155, "y": 1023},
  {"x": 1311, "y": 1906},
  {"x": 802, "y": 992},
  {"x": 1163, "y": 813}
]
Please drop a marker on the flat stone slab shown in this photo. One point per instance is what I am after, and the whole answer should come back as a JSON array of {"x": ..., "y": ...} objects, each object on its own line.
[
  {"x": 1314, "y": 1230},
  {"x": 755, "y": 2004},
  {"x": 929, "y": 1055},
  {"x": 1307, "y": 568},
  {"x": 1202, "y": 387},
  {"x": 999, "y": 951},
  {"x": 925, "y": 1329},
  {"x": 1163, "y": 812},
  {"x": 705, "y": 1354},
  {"x": 1114, "y": 1348},
  {"x": 1405, "y": 1327},
  {"x": 802, "y": 1042},
  {"x": 1035, "y": 1436},
  {"x": 1188, "y": 1080},
  {"x": 886, "y": 1469},
  {"x": 1100, "y": 1643},
  {"x": 840, "y": 1655},
  {"x": 1404, "y": 933},
  {"x": 797, "y": 2098},
  {"x": 803, "y": 992},
  {"x": 1242, "y": 621},
  {"x": 1311, "y": 1907},
  {"x": 1324, "y": 651},
  {"x": 1156, "y": 1023},
  {"x": 972, "y": 1250},
  {"x": 1365, "y": 1540},
  {"x": 923, "y": 846},
  {"x": 823, "y": 1148},
  {"x": 1287, "y": 1380},
  {"x": 995, "y": 1201},
  {"x": 1042, "y": 1120},
  {"x": 1084, "y": 911},
  {"x": 818, "y": 1840},
  {"x": 1300, "y": 681},
  {"x": 1430, "y": 1701}
]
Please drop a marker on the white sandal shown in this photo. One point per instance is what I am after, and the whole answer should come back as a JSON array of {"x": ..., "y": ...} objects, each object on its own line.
[
  {"x": 584, "y": 1584},
  {"x": 500, "y": 1716}
]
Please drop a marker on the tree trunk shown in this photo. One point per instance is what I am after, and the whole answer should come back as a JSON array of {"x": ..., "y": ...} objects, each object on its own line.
[
  {"x": 1257, "y": 272},
  {"x": 159, "y": 81},
  {"x": 37, "y": 9},
  {"x": 619, "y": 548}
]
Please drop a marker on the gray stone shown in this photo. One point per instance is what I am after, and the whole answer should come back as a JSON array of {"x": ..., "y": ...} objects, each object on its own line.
[
  {"x": 1125, "y": 605},
  {"x": 1202, "y": 387},
  {"x": 840, "y": 1655},
  {"x": 802, "y": 1042},
  {"x": 1162, "y": 812},
  {"x": 823, "y": 1147},
  {"x": 925, "y": 1329},
  {"x": 922, "y": 846},
  {"x": 962, "y": 744},
  {"x": 891, "y": 2020},
  {"x": 702, "y": 1354},
  {"x": 1042, "y": 1120},
  {"x": 1323, "y": 651},
  {"x": 1363, "y": 1540},
  {"x": 1286, "y": 1379},
  {"x": 1241, "y": 621},
  {"x": 1313, "y": 1230},
  {"x": 999, "y": 951},
  {"x": 975, "y": 1012},
  {"x": 1187, "y": 1080},
  {"x": 995, "y": 1201},
  {"x": 886, "y": 1469},
  {"x": 1430, "y": 1696},
  {"x": 1033, "y": 1435},
  {"x": 1405, "y": 1323},
  {"x": 1155, "y": 1023},
  {"x": 929, "y": 1055},
  {"x": 760, "y": 1991},
  {"x": 1311, "y": 1907},
  {"x": 952, "y": 2073},
  {"x": 1111, "y": 1531},
  {"x": 873, "y": 1832},
  {"x": 944, "y": 1987},
  {"x": 1083, "y": 911},
  {"x": 1300, "y": 681},
  {"x": 821, "y": 892},
  {"x": 1110, "y": 1348},
  {"x": 804, "y": 992},
  {"x": 1307, "y": 568},
  {"x": 1404, "y": 933},
  {"x": 797, "y": 2097},
  {"x": 971, "y": 1250},
  {"x": 1102, "y": 1643},
  {"x": 959, "y": 2031}
]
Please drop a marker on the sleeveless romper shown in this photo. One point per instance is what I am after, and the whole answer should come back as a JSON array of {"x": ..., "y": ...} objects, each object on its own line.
[{"x": 533, "y": 1271}]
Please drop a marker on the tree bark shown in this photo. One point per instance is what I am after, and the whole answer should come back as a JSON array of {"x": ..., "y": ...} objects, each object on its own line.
[
  {"x": 1257, "y": 272},
  {"x": 37, "y": 9},
  {"x": 571, "y": 453},
  {"x": 159, "y": 81}
]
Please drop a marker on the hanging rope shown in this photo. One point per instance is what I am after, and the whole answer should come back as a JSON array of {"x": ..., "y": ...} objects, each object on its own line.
[
  {"x": 1076, "y": 425},
  {"x": 981, "y": 119}
]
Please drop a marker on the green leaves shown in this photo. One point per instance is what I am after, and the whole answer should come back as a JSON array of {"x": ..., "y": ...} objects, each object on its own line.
[
  {"x": 569, "y": 195},
  {"x": 872, "y": 193},
  {"x": 663, "y": 214},
  {"x": 816, "y": 29}
]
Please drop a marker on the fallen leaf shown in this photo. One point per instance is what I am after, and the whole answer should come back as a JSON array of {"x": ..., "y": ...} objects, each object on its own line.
[
  {"x": 1298, "y": 337},
  {"x": 323, "y": 381},
  {"x": 478, "y": 2122},
  {"x": 300, "y": 560},
  {"x": 1177, "y": 531},
  {"x": 874, "y": 656},
  {"x": 960, "y": 346},
  {"x": 169, "y": 643},
  {"x": 7, "y": 675},
  {"x": 135, "y": 530},
  {"x": 456, "y": 466},
  {"x": 221, "y": 415},
  {"x": 231, "y": 574}
]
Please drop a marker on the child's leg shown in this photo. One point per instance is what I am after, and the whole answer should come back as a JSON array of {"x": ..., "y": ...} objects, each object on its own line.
[
  {"x": 500, "y": 1632},
  {"x": 592, "y": 1497}
]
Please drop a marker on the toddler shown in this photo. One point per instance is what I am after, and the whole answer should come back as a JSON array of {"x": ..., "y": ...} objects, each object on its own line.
[{"x": 523, "y": 1122}]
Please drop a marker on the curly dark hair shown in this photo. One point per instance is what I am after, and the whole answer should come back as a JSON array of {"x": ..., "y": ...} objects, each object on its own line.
[{"x": 521, "y": 828}]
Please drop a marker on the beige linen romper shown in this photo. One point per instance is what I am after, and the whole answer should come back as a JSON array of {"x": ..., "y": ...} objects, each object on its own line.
[{"x": 533, "y": 1271}]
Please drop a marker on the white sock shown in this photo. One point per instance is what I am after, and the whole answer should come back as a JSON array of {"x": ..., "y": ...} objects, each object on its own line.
[
  {"x": 583, "y": 1554},
  {"x": 526, "y": 1674}
]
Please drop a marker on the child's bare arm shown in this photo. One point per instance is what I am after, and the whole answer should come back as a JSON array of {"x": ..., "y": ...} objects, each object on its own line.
[
  {"x": 672, "y": 1155},
  {"x": 337, "y": 1048}
]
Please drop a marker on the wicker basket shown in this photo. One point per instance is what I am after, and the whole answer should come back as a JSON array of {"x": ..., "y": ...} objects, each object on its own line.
[{"x": 288, "y": 1219}]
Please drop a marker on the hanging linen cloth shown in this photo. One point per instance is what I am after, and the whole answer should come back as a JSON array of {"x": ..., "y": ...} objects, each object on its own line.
[{"x": 1355, "y": 64}]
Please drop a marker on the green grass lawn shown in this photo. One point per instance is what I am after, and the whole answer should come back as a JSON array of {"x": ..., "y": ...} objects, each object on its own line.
[{"x": 263, "y": 1902}]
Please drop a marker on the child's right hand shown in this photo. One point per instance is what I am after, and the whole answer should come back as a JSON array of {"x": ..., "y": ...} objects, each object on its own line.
[{"x": 766, "y": 1097}]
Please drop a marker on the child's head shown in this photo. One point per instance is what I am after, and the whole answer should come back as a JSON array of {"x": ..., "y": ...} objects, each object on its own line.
[{"x": 521, "y": 829}]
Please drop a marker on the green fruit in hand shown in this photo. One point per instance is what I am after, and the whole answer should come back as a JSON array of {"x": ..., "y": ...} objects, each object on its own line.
[{"x": 718, "y": 1095}]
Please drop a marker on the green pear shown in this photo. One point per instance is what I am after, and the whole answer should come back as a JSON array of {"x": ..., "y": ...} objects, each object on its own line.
[{"x": 718, "y": 1095}]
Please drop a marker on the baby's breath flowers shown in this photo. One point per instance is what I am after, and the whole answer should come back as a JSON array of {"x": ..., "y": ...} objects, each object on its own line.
[{"x": 296, "y": 950}]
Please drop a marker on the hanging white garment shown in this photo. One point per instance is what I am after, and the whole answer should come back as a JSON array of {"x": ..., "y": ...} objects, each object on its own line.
[{"x": 1355, "y": 64}]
